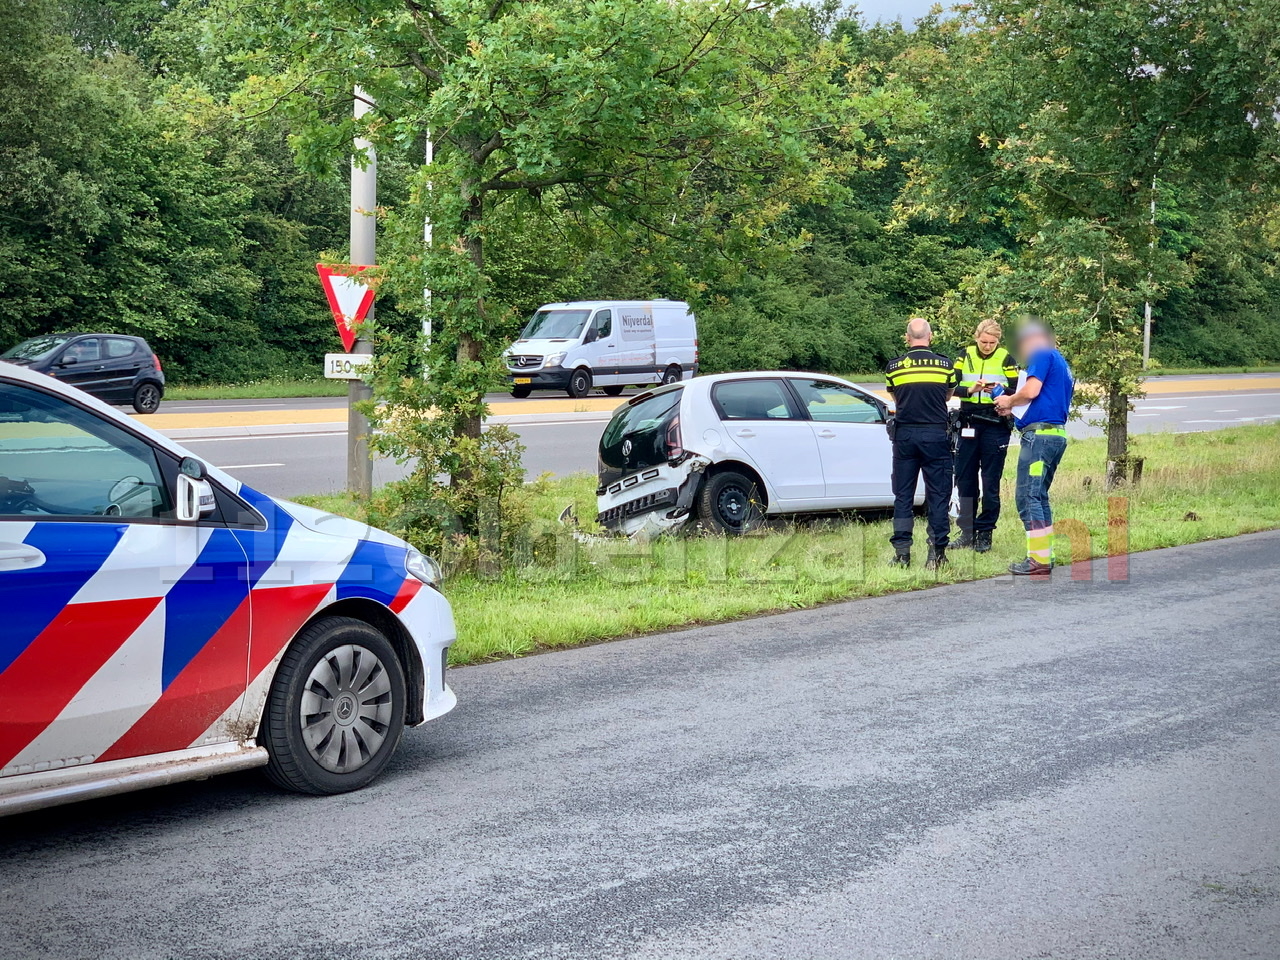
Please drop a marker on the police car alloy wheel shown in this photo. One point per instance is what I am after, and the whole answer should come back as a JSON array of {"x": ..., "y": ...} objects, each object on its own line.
[{"x": 336, "y": 708}]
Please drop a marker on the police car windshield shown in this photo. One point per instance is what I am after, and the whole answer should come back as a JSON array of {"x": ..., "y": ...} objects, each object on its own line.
[
  {"x": 555, "y": 325},
  {"x": 37, "y": 348}
]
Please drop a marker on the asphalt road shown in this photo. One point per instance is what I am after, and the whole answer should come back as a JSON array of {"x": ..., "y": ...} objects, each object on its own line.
[
  {"x": 989, "y": 770},
  {"x": 288, "y": 462}
]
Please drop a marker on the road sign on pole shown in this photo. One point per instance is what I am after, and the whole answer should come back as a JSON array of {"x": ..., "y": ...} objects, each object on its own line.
[{"x": 349, "y": 299}]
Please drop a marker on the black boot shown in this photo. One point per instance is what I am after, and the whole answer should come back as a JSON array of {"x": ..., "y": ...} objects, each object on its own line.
[
  {"x": 901, "y": 559},
  {"x": 981, "y": 541},
  {"x": 1030, "y": 568},
  {"x": 963, "y": 541},
  {"x": 937, "y": 558}
]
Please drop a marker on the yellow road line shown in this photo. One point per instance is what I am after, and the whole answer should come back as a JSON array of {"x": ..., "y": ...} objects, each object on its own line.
[{"x": 257, "y": 418}]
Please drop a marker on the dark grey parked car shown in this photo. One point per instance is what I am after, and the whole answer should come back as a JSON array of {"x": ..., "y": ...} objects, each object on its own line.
[{"x": 111, "y": 366}]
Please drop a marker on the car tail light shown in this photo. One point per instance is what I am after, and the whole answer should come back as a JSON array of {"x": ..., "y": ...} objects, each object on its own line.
[
  {"x": 156, "y": 358},
  {"x": 695, "y": 351},
  {"x": 675, "y": 444}
]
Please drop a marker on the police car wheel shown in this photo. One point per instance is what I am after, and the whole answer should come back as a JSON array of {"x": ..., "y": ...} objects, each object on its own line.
[
  {"x": 580, "y": 383},
  {"x": 730, "y": 502},
  {"x": 521, "y": 392},
  {"x": 336, "y": 708},
  {"x": 146, "y": 399}
]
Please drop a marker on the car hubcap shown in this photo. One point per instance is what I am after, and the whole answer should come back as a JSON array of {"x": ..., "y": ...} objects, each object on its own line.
[
  {"x": 346, "y": 709},
  {"x": 733, "y": 505},
  {"x": 148, "y": 397}
]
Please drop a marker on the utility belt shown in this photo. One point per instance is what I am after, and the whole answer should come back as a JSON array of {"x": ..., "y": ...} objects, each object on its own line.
[
  {"x": 984, "y": 415},
  {"x": 1044, "y": 429}
]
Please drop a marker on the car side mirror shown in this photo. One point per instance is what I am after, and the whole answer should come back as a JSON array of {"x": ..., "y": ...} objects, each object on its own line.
[
  {"x": 68, "y": 361},
  {"x": 194, "y": 496},
  {"x": 592, "y": 335}
]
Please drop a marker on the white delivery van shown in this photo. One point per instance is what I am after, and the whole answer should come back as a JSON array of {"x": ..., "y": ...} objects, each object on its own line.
[{"x": 609, "y": 344}]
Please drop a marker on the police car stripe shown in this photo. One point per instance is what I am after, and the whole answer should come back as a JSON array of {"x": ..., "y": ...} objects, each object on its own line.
[
  {"x": 111, "y": 702},
  {"x": 58, "y": 663},
  {"x": 213, "y": 678},
  {"x": 376, "y": 570},
  {"x": 73, "y": 553},
  {"x": 202, "y": 601}
]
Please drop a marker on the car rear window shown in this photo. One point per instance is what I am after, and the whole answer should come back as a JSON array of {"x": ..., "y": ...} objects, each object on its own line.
[{"x": 645, "y": 425}]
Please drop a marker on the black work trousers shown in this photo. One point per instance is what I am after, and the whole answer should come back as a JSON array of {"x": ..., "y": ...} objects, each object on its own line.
[
  {"x": 980, "y": 460},
  {"x": 921, "y": 449}
]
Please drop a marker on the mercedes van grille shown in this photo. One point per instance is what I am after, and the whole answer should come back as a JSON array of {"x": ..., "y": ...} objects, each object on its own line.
[{"x": 523, "y": 363}]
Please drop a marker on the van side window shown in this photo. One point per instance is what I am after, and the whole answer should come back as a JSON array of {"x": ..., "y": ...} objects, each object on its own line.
[
  {"x": 58, "y": 461},
  {"x": 603, "y": 324},
  {"x": 753, "y": 400}
]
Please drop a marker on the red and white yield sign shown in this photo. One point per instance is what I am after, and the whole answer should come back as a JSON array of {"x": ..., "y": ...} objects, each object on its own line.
[{"x": 349, "y": 299}]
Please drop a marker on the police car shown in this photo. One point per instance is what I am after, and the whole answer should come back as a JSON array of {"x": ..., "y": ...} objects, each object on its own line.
[{"x": 160, "y": 621}]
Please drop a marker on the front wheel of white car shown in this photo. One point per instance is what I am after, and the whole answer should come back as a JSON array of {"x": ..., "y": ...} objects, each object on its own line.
[{"x": 336, "y": 708}]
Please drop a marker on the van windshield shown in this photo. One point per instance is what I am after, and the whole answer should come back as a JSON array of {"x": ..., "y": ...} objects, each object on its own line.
[{"x": 555, "y": 325}]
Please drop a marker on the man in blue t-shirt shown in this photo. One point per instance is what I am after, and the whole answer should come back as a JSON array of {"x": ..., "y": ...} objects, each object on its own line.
[{"x": 1045, "y": 396}]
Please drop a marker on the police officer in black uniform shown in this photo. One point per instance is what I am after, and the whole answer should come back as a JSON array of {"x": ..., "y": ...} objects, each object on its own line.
[{"x": 921, "y": 382}]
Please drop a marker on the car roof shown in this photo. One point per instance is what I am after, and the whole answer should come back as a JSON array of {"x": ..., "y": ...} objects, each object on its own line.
[
  {"x": 714, "y": 378},
  {"x": 14, "y": 373}
]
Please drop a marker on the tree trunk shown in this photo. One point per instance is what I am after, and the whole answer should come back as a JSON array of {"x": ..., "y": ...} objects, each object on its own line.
[
  {"x": 469, "y": 347},
  {"x": 1121, "y": 468}
]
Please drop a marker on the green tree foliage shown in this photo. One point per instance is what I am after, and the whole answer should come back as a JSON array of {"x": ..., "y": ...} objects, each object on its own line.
[
  {"x": 140, "y": 205},
  {"x": 679, "y": 119},
  {"x": 1063, "y": 120}
]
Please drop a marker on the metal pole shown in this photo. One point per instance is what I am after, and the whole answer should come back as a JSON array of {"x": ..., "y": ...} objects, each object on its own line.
[
  {"x": 364, "y": 202},
  {"x": 430, "y": 158},
  {"x": 1146, "y": 310}
]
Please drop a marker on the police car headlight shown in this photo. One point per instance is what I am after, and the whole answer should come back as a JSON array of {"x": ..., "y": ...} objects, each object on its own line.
[
  {"x": 554, "y": 360},
  {"x": 424, "y": 568}
]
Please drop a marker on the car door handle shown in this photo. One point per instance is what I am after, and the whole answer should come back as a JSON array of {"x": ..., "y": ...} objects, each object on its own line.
[
  {"x": 19, "y": 556},
  {"x": 827, "y": 434},
  {"x": 746, "y": 434}
]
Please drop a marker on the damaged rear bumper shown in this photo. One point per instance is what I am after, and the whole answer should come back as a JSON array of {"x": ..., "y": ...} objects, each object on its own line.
[{"x": 659, "y": 499}]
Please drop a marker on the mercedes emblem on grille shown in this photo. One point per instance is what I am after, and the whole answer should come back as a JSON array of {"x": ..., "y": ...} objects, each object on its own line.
[{"x": 626, "y": 448}]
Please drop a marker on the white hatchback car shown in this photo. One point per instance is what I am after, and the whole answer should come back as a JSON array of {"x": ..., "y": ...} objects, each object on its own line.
[
  {"x": 733, "y": 447},
  {"x": 163, "y": 621}
]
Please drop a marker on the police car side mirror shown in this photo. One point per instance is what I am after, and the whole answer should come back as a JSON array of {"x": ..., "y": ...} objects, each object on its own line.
[{"x": 194, "y": 497}]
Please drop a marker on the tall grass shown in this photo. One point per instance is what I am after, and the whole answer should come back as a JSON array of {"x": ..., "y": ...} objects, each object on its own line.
[{"x": 564, "y": 590}]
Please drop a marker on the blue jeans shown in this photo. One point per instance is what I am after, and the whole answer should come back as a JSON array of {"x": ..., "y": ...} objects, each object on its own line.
[{"x": 1037, "y": 463}]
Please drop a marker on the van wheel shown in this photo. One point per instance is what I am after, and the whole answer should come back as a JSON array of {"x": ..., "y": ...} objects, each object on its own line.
[
  {"x": 580, "y": 383},
  {"x": 336, "y": 708},
  {"x": 521, "y": 391},
  {"x": 146, "y": 398},
  {"x": 673, "y": 374},
  {"x": 730, "y": 502},
  {"x": 612, "y": 391}
]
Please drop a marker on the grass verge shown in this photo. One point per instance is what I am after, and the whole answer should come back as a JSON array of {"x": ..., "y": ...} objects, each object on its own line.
[
  {"x": 258, "y": 390},
  {"x": 563, "y": 592}
]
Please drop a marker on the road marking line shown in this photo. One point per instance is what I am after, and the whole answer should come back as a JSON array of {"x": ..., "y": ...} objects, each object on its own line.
[
  {"x": 249, "y": 466},
  {"x": 256, "y": 436},
  {"x": 1180, "y": 406}
]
